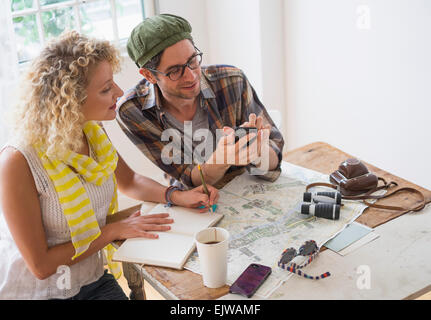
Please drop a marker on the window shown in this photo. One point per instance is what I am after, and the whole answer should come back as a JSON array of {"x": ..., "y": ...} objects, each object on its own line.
[{"x": 37, "y": 21}]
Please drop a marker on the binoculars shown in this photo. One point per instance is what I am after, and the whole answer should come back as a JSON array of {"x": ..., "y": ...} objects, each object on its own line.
[
  {"x": 323, "y": 197},
  {"x": 322, "y": 204}
]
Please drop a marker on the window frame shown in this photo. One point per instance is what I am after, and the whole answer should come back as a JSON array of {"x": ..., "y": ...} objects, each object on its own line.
[{"x": 147, "y": 7}]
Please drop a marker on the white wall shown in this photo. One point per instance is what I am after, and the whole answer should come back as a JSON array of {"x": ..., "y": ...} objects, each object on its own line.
[
  {"x": 228, "y": 21},
  {"x": 273, "y": 57},
  {"x": 367, "y": 92},
  {"x": 363, "y": 91}
]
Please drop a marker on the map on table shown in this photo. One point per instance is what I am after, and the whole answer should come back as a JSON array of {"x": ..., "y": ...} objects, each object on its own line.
[{"x": 264, "y": 218}]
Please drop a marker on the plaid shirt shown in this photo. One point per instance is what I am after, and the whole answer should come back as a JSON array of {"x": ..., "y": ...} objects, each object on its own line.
[{"x": 228, "y": 98}]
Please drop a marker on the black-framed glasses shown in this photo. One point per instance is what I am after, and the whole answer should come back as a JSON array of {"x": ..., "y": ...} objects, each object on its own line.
[
  {"x": 308, "y": 249},
  {"x": 178, "y": 71}
]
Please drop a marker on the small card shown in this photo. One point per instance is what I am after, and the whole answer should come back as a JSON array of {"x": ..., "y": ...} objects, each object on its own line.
[{"x": 349, "y": 235}]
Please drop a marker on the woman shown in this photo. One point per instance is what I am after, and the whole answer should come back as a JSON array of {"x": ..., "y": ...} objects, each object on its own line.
[{"x": 58, "y": 179}]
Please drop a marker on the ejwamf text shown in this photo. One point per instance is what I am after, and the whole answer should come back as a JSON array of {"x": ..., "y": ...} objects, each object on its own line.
[{"x": 219, "y": 310}]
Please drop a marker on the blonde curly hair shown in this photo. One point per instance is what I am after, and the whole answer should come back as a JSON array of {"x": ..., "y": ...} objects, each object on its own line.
[{"x": 49, "y": 111}]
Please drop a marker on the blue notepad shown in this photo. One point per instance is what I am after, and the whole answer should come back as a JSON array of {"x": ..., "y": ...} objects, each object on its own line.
[{"x": 349, "y": 235}]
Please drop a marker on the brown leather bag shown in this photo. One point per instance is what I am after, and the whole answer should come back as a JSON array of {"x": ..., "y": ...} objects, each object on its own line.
[{"x": 356, "y": 182}]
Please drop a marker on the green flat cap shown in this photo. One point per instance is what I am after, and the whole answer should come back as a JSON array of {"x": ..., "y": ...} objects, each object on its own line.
[{"x": 155, "y": 34}]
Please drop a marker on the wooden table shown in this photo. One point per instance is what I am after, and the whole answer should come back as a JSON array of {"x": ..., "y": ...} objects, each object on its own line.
[{"x": 319, "y": 156}]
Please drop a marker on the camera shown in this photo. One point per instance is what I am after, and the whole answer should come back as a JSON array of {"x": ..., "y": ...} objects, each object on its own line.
[
  {"x": 323, "y": 197},
  {"x": 329, "y": 211}
]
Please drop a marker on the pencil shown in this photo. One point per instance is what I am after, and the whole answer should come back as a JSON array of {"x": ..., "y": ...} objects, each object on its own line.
[{"x": 204, "y": 184}]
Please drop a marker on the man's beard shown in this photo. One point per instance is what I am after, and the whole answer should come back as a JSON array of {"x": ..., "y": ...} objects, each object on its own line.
[{"x": 183, "y": 94}]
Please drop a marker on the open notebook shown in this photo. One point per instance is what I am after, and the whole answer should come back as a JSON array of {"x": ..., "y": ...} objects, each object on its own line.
[{"x": 173, "y": 247}]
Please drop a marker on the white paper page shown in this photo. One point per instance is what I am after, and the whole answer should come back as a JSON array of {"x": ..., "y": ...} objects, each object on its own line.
[
  {"x": 169, "y": 250},
  {"x": 187, "y": 221},
  {"x": 361, "y": 242}
]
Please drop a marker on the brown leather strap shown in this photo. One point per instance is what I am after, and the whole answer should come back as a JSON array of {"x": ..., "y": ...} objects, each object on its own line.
[
  {"x": 321, "y": 184},
  {"x": 369, "y": 195},
  {"x": 417, "y": 208}
]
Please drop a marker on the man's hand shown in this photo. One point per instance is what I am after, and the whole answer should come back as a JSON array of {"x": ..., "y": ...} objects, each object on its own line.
[
  {"x": 239, "y": 154},
  {"x": 256, "y": 122},
  {"x": 262, "y": 139},
  {"x": 230, "y": 153}
]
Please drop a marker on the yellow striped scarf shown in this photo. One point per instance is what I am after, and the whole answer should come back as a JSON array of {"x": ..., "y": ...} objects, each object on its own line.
[{"x": 71, "y": 193}]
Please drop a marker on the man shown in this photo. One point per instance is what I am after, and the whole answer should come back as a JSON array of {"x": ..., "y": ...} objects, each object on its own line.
[{"x": 181, "y": 110}]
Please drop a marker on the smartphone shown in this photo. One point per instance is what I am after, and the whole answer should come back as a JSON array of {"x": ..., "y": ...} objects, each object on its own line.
[
  {"x": 242, "y": 131},
  {"x": 250, "y": 280}
]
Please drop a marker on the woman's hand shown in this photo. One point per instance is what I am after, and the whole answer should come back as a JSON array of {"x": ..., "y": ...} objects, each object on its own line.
[
  {"x": 196, "y": 197},
  {"x": 137, "y": 226}
]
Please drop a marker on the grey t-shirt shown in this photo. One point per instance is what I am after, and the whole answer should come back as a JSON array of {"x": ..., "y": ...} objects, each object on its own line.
[{"x": 195, "y": 134}]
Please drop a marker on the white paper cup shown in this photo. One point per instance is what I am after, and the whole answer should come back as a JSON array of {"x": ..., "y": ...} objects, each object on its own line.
[{"x": 213, "y": 257}]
